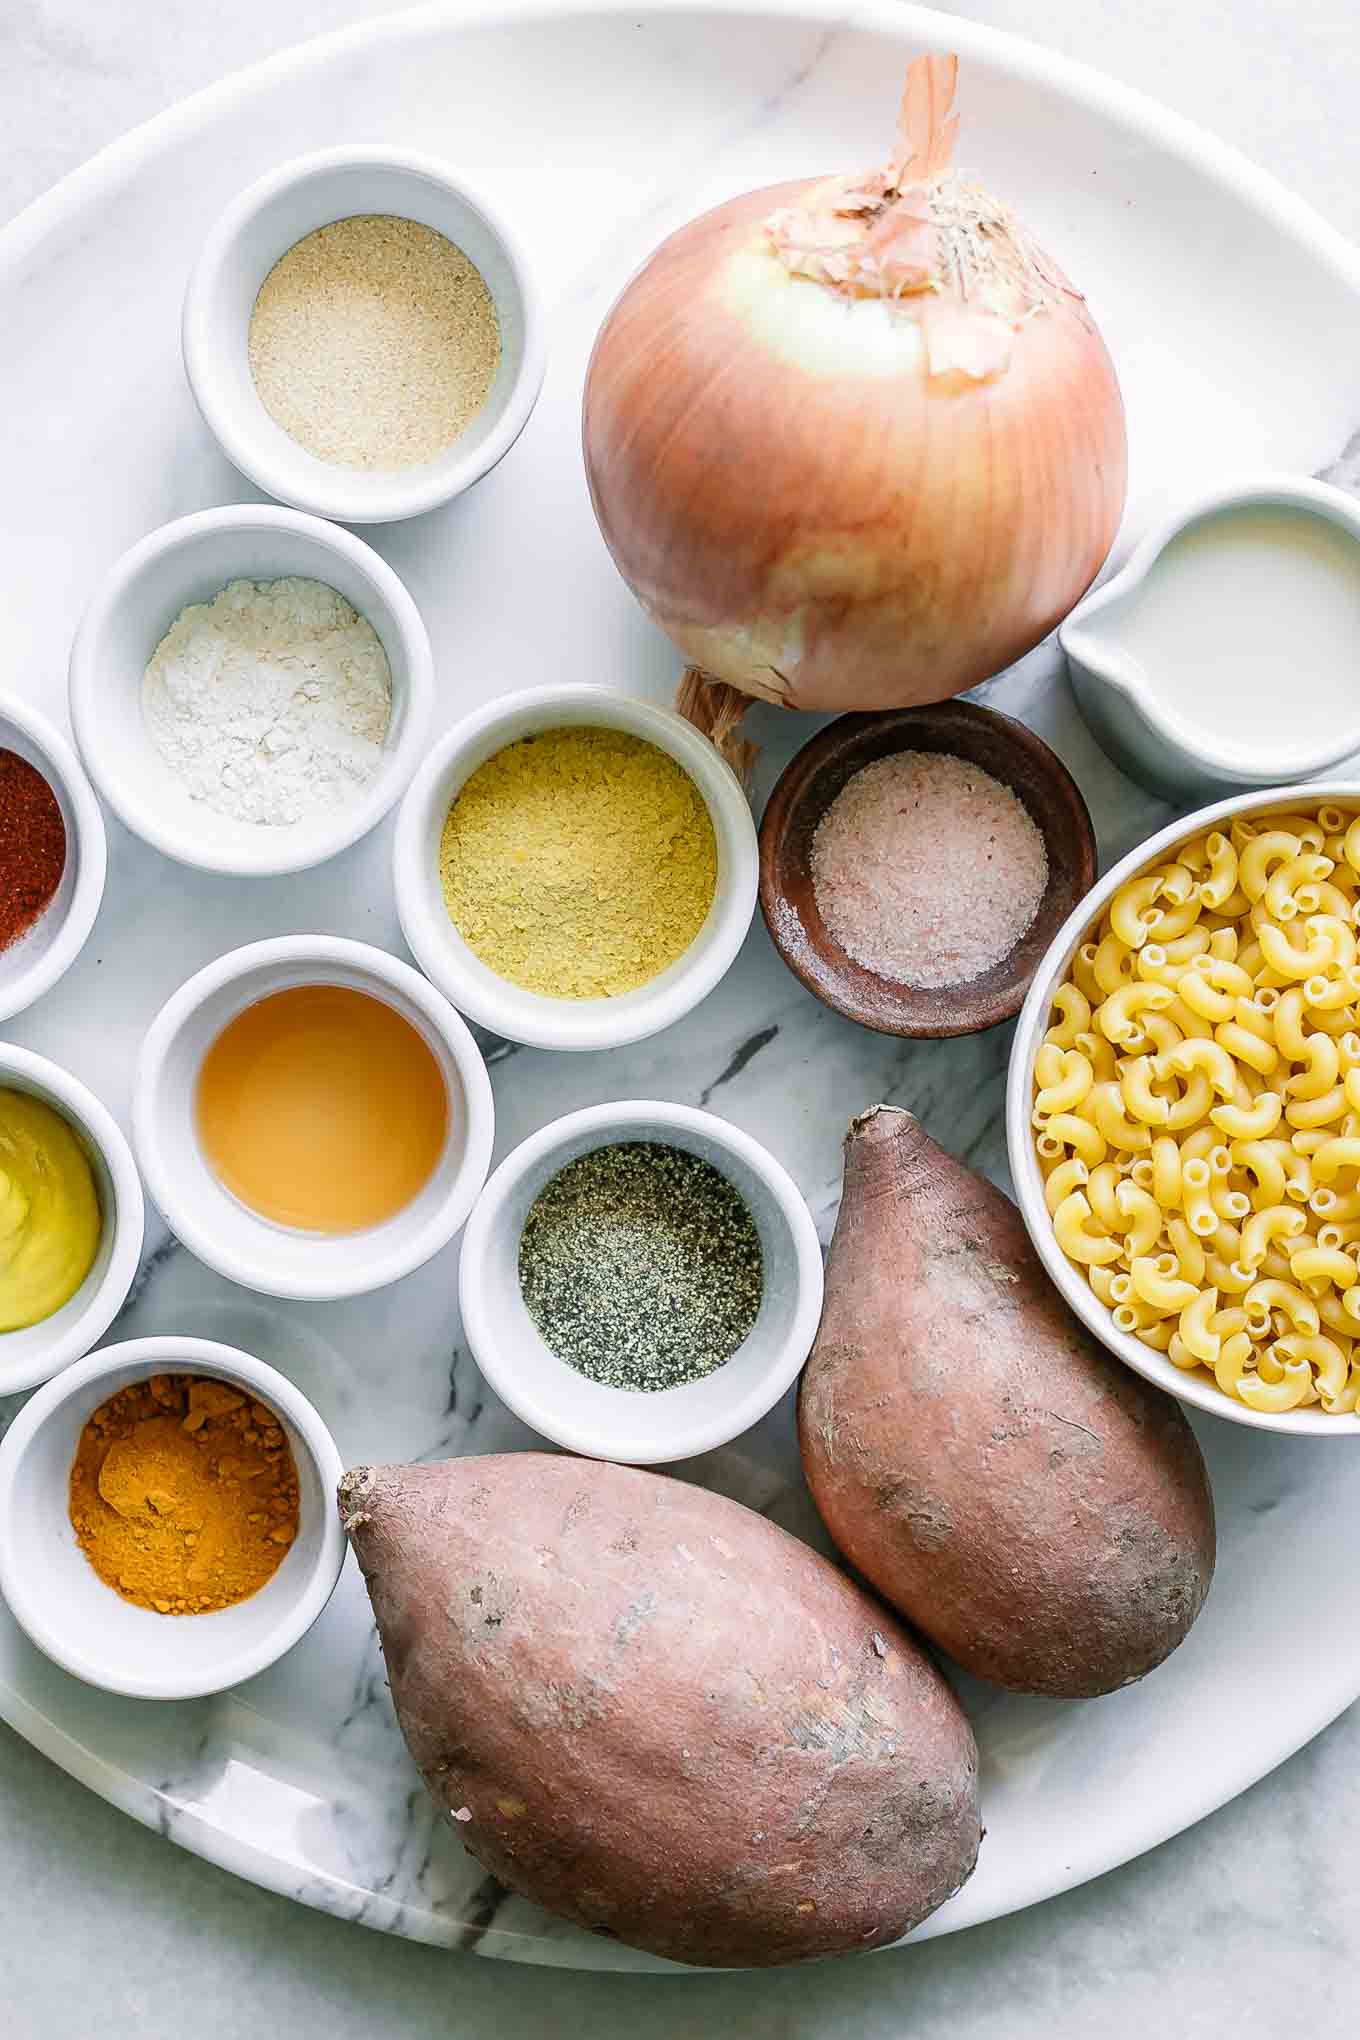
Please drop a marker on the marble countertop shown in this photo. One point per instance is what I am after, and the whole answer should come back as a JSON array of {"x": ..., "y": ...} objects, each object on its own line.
[{"x": 1243, "y": 1925}]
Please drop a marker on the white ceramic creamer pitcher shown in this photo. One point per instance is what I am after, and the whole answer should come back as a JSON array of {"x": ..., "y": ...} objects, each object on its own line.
[{"x": 1226, "y": 653}]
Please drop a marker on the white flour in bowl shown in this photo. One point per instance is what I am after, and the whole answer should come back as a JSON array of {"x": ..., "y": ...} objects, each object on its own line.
[{"x": 271, "y": 703}]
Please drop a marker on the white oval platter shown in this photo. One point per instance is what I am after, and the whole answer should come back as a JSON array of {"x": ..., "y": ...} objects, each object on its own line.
[{"x": 1234, "y": 317}]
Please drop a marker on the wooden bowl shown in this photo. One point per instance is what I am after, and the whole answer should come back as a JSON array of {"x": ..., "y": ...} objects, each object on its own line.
[{"x": 811, "y": 782}]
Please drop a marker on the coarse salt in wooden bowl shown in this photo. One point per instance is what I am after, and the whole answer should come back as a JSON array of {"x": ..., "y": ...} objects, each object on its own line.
[{"x": 810, "y": 783}]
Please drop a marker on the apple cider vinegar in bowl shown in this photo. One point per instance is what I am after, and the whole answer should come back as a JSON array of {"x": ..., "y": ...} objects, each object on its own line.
[
  {"x": 321, "y": 1108},
  {"x": 312, "y": 1117}
]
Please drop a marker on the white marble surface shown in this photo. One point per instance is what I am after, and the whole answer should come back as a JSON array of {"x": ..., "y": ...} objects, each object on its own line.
[{"x": 1241, "y": 1925}]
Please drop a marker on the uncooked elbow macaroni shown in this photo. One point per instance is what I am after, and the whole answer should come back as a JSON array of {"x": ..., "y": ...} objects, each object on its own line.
[{"x": 1197, "y": 1109}]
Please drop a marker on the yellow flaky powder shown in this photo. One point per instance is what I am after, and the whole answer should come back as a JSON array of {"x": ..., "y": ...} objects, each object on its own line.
[{"x": 579, "y": 862}]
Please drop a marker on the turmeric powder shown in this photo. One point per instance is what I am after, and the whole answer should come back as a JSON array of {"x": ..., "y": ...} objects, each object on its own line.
[
  {"x": 184, "y": 1494},
  {"x": 579, "y": 862}
]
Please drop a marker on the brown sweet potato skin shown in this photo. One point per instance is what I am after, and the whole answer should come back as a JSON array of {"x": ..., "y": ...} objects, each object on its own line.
[
  {"x": 1037, "y": 1509},
  {"x": 659, "y": 1715}
]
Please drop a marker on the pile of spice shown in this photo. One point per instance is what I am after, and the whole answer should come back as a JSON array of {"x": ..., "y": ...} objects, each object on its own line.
[
  {"x": 927, "y": 870},
  {"x": 322, "y": 1108},
  {"x": 50, "y": 1223},
  {"x": 579, "y": 863},
  {"x": 32, "y": 846},
  {"x": 374, "y": 342},
  {"x": 271, "y": 703},
  {"x": 184, "y": 1494},
  {"x": 641, "y": 1266}
]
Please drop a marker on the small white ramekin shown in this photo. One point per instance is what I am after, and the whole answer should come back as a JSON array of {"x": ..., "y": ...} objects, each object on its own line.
[
  {"x": 257, "y": 229},
  {"x": 203, "y": 1213},
  {"x": 532, "y": 1017},
  {"x": 32, "y": 965},
  {"x": 192, "y": 560},
  {"x": 1194, "y": 1388},
  {"x": 40, "y": 1351},
  {"x": 640, "y": 1428},
  {"x": 53, "y": 1591}
]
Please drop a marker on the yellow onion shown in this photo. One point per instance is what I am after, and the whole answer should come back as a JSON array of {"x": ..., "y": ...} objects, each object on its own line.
[{"x": 856, "y": 442}]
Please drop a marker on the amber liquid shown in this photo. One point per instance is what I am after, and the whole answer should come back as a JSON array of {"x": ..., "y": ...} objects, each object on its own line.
[{"x": 321, "y": 1108}]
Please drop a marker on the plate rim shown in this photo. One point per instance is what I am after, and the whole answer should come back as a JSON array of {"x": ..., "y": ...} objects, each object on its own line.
[
  {"x": 1029, "y": 62},
  {"x": 1222, "y": 161}
]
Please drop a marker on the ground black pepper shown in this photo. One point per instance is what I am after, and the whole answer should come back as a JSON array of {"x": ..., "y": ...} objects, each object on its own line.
[
  {"x": 641, "y": 1266},
  {"x": 32, "y": 846}
]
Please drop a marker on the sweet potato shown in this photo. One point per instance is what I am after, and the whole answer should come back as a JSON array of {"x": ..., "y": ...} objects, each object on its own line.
[
  {"x": 654, "y": 1712},
  {"x": 1038, "y": 1510}
]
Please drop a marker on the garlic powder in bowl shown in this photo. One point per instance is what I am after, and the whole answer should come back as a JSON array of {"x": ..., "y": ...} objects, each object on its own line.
[
  {"x": 271, "y": 703},
  {"x": 374, "y": 342},
  {"x": 362, "y": 334}
]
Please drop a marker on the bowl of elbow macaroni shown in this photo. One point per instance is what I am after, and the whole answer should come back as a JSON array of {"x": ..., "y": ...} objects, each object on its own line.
[{"x": 1183, "y": 1109}]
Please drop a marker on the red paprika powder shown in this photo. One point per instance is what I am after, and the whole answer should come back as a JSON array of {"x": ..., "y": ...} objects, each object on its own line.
[{"x": 32, "y": 846}]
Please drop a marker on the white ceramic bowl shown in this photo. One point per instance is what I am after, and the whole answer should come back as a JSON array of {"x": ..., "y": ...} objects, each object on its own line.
[
  {"x": 53, "y": 1591},
  {"x": 129, "y": 613},
  {"x": 532, "y": 1017},
  {"x": 1178, "y": 758},
  {"x": 257, "y": 229},
  {"x": 1194, "y": 1388},
  {"x": 40, "y": 1351},
  {"x": 642, "y": 1428},
  {"x": 210, "y": 1221},
  {"x": 32, "y": 965}
]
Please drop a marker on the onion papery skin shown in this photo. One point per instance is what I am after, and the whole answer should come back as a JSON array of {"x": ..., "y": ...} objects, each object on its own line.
[{"x": 810, "y": 516}]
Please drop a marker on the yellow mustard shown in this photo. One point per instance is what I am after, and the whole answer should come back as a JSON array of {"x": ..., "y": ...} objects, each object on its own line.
[{"x": 49, "y": 1211}]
